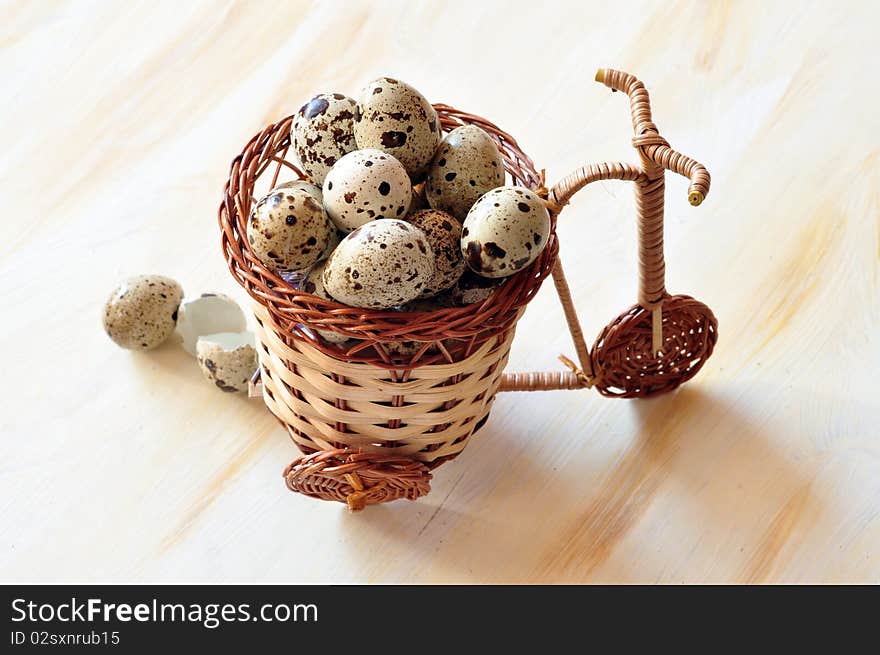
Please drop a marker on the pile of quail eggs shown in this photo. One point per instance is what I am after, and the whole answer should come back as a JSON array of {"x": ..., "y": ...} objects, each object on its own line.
[
  {"x": 146, "y": 311},
  {"x": 395, "y": 215}
]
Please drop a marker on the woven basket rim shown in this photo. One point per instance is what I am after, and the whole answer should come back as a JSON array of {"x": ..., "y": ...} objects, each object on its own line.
[{"x": 296, "y": 307}]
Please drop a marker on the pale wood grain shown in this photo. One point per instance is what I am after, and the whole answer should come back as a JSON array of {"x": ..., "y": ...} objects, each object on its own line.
[{"x": 118, "y": 122}]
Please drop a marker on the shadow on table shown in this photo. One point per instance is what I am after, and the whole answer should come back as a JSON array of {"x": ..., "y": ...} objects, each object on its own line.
[
  {"x": 718, "y": 475},
  {"x": 179, "y": 370},
  {"x": 170, "y": 358},
  {"x": 714, "y": 467}
]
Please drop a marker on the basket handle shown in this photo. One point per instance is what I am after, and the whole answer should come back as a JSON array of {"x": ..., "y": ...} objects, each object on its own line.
[
  {"x": 655, "y": 157},
  {"x": 654, "y": 150},
  {"x": 577, "y": 377}
]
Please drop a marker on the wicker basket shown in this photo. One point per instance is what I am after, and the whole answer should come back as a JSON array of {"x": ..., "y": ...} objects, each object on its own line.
[{"x": 371, "y": 426}]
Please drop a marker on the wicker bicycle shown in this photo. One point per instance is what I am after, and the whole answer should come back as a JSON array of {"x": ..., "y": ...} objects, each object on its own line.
[{"x": 372, "y": 426}]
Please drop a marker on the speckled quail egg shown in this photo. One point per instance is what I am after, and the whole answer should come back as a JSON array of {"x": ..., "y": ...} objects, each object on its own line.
[
  {"x": 394, "y": 117},
  {"x": 444, "y": 236},
  {"x": 228, "y": 359},
  {"x": 322, "y": 132},
  {"x": 406, "y": 350},
  {"x": 432, "y": 304},
  {"x": 335, "y": 234},
  {"x": 288, "y": 229},
  {"x": 380, "y": 265},
  {"x": 142, "y": 311},
  {"x": 505, "y": 231},
  {"x": 366, "y": 185},
  {"x": 467, "y": 165},
  {"x": 312, "y": 189},
  {"x": 314, "y": 284},
  {"x": 472, "y": 288},
  {"x": 210, "y": 313}
]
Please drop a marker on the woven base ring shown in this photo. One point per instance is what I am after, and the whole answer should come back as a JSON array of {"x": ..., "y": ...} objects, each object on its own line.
[{"x": 358, "y": 479}]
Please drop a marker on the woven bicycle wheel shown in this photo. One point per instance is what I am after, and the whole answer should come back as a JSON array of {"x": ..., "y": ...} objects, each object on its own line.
[
  {"x": 664, "y": 340},
  {"x": 628, "y": 366}
]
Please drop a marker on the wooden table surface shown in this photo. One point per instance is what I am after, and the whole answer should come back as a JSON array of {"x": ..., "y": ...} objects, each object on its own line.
[{"x": 119, "y": 121}]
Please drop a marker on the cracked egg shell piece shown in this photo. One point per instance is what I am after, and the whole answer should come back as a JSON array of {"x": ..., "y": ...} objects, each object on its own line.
[
  {"x": 210, "y": 313},
  {"x": 228, "y": 359},
  {"x": 380, "y": 265}
]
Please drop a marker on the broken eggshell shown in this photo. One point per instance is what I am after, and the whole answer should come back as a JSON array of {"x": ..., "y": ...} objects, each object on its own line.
[
  {"x": 210, "y": 313},
  {"x": 472, "y": 288},
  {"x": 228, "y": 359}
]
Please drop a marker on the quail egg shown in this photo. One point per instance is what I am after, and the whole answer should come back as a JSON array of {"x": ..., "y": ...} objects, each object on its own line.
[
  {"x": 467, "y": 165},
  {"x": 472, "y": 288},
  {"x": 394, "y": 117},
  {"x": 380, "y": 265},
  {"x": 335, "y": 234},
  {"x": 312, "y": 189},
  {"x": 322, "y": 132},
  {"x": 210, "y": 313},
  {"x": 363, "y": 186},
  {"x": 432, "y": 304},
  {"x": 142, "y": 311},
  {"x": 505, "y": 231},
  {"x": 314, "y": 284},
  {"x": 288, "y": 229},
  {"x": 444, "y": 236},
  {"x": 228, "y": 359},
  {"x": 407, "y": 349}
]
